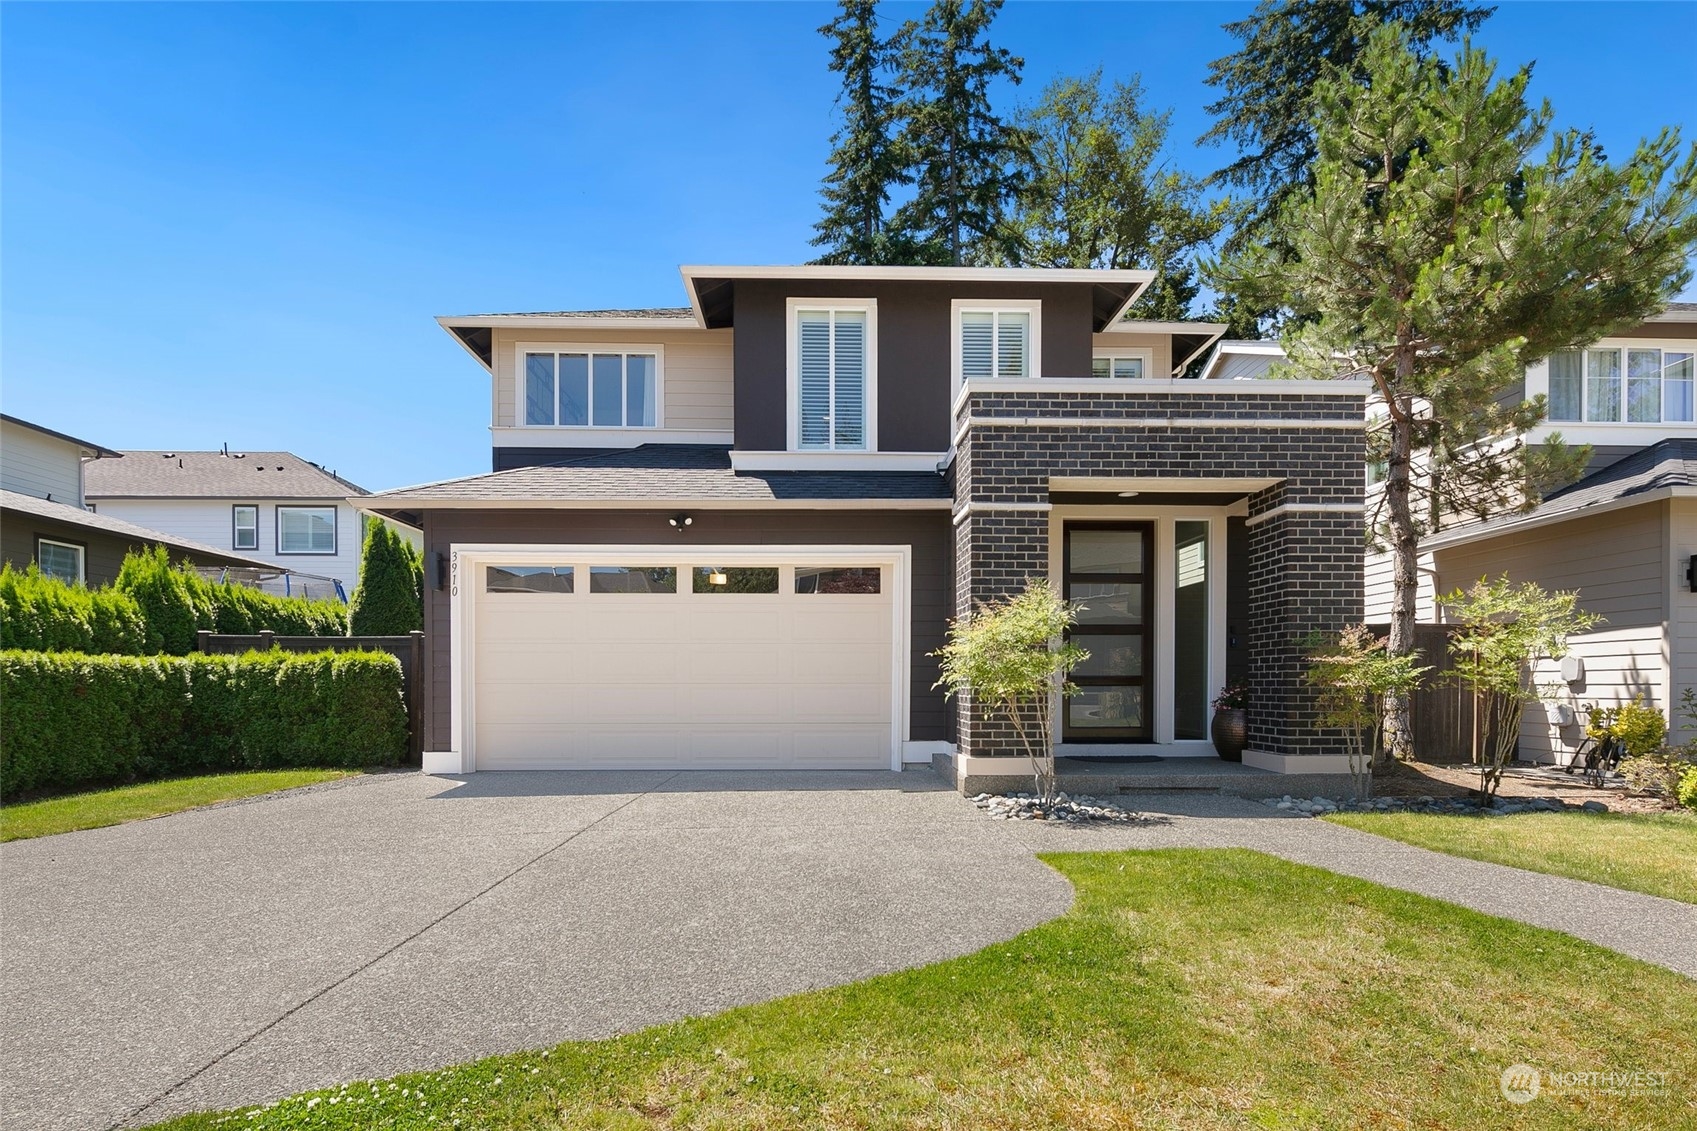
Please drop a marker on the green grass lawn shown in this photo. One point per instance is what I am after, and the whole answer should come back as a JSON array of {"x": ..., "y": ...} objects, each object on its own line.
[
  {"x": 1648, "y": 852},
  {"x": 1186, "y": 989},
  {"x": 149, "y": 799}
]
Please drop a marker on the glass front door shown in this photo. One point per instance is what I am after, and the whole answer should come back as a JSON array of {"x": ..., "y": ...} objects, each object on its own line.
[{"x": 1108, "y": 569}]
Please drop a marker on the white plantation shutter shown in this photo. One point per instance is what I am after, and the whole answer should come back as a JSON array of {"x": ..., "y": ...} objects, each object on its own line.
[
  {"x": 848, "y": 414},
  {"x": 1012, "y": 343},
  {"x": 814, "y": 377},
  {"x": 977, "y": 343}
]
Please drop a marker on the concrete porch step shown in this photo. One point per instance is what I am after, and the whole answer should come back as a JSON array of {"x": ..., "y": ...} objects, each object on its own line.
[{"x": 1105, "y": 778}]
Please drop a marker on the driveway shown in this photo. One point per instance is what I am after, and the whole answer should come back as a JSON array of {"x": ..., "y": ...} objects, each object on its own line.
[{"x": 398, "y": 922}]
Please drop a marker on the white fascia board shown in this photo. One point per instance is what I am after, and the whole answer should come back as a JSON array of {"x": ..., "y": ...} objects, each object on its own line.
[
  {"x": 374, "y": 503},
  {"x": 1186, "y": 483},
  {"x": 1147, "y": 326},
  {"x": 982, "y": 386},
  {"x": 1483, "y": 531},
  {"x": 571, "y": 436},
  {"x": 1180, "y": 367},
  {"x": 837, "y": 461},
  {"x": 691, "y": 272},
  {"x": 564, "y": 321}
]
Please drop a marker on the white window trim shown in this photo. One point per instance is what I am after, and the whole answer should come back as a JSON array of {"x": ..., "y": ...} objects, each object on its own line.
[
  {"x": 960, "y": 306},
  {"x": 80, "y": 551},
  {"x": 236, "y": 527},
  {"x": 1145, "y": 354},
  {"x": 520, "y": 349},
  {"x": 1538, "y": 381},
  {"x": 335, "y": 530},
  {"x": 792, "y": 369}
]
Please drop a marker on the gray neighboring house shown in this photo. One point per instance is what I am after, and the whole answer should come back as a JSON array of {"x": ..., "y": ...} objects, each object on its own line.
[
  {"x": 275, "y": 508},
  {"x": 730, "y": 534},
  {"x": 45, "y": 519}
]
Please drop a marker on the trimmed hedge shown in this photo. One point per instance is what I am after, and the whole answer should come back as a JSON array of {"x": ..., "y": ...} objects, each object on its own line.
[
  {"x": 176, "y": 602},
  {"x": 44, "y": 614},
  {"x": 70, "y": 720}
]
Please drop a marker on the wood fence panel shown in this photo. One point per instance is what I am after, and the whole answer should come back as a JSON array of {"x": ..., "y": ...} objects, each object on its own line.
[{"x": 1442, "y": 710}]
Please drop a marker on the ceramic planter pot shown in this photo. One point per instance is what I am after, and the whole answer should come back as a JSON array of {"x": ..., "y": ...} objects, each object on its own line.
[{"x": 1230, "y": 732}]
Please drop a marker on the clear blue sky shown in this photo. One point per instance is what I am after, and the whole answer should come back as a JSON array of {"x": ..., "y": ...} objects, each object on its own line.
[{"x": 234, "y": 223}]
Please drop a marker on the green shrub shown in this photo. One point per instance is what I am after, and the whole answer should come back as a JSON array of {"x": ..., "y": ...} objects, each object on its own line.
[
  {"x": 1639, "y": 729},
  {"x": 389, "y": 599},
  {"x": 177, "y": 602},
  {"x": 1687, "y": 792},
  {"x": 1657, "y": 774},
  {"x": 69, "y": 720},
  {"x": 48, "y": 615}
]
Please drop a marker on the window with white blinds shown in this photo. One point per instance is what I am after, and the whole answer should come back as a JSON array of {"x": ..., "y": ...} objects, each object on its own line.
[
  {"x": 995, "y": 342},
  {"x": 832, "y": 377}
]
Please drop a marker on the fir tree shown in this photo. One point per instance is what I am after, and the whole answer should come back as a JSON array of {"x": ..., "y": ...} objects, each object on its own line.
[
  {"x": 864, "y": 162},
  {"x": 1451, "y": 240},
  {"x": 966, "y": 163},
  {"x": 389, "y": 599}
]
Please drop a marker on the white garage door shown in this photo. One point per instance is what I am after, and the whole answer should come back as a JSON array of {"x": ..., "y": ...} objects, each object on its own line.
[{"x": 682, "y": 665}]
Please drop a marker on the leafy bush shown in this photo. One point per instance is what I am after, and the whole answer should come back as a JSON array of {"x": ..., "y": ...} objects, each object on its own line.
[
  {"x": 45, "y": 614},
  {"x": 176, "y": 603},
  {"x": 1656, "y": 774},
  {"x": 1687, "y": 792},
  {"x": 389, "y": 599},
  {"x": 1639, "y": 729},
  {"x": 68, "y": 719}
]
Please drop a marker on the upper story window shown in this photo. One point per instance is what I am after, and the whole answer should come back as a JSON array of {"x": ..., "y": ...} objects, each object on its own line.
[
  {"x": 306, "y": 530},
  {"x": 832, "y": 374},
  {"x": 590, "y": 386},
  {"x": 1124, "y": 364},
  {"x": 244, "y": 521},
  {"x": 996, "y": 339},
  {"x": 1634, "y": 385}
]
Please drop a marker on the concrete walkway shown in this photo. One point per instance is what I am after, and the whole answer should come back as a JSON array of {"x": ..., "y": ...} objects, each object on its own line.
[{"x": 251, "y": 950}]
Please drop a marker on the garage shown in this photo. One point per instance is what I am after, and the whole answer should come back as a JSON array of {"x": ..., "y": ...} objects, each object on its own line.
[{"x": 711, "y": 658}]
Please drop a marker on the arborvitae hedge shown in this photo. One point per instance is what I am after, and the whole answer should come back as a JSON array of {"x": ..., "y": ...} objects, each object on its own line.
[
  {"x": 389, "y": 599},
  {"x": 70, "y": 720},
  {"x": 46, "y": 615}
]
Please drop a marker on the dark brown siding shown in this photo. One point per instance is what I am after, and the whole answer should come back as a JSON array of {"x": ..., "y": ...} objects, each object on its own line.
[
  {"x": 914, "y": 337},
  {"x": 927, "y": 532},
  {"x": 105, "y": 552}
]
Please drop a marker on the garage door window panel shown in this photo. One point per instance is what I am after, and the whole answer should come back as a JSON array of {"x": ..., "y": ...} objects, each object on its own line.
[
  {"x": 528, "y": 579},
  {"x": 736, "y": 579},
  {"x": 633, "y": 579},
  {"x": 862, "y": 580}
]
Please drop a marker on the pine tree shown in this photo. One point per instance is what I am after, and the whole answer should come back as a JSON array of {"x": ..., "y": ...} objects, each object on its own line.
[
  {"x": 966, "y": 164},
  {"x": 1267, "y": 88},
  {"x": 1451, "y": 240},
  {"x": 1097, "y": 194},
  {"x": 389, "y": 599},
  {"x": 864, "y": 161}
]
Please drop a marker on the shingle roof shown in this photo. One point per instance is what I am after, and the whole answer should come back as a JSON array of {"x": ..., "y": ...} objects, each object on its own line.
[
  {"x": 669, "y": 473},
  {"x": 182, "y": 475},
  {"x": 105, "y": 524}
]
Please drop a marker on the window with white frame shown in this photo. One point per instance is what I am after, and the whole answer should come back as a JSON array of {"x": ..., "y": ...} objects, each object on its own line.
[
  {"x": 244, "y": 521},
  {"x": 306, "y": 530},
  {"x": 1631, "y": 385},
  {"x": 1123, "y": 364},
  {"x": 62, "y": 561},
  {"x": 995, "y": 340},
  {"x": 832, "y": 373},
  {"x": 590, "y": 387}
]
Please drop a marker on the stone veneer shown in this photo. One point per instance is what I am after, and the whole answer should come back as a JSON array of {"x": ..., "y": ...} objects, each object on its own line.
[{"x": 1305, "y": 564}]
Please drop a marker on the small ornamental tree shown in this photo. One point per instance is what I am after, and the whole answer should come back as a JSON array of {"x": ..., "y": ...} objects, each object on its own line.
[
  {"x": 389, "y": 599},
  {"x": 1352, "y": 672},
  {"x": 1006, "y": 653},
  {"x": 1506, "y": 629}
]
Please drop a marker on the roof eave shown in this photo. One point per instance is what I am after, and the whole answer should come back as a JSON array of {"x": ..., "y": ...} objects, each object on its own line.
[
  {"x": 1480, "y": 532},
  {"x": 377, "y": 504}
]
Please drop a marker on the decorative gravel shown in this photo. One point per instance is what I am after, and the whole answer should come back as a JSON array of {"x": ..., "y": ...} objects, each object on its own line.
[
  {"x": 1067, "y": 808},
  {"x": 1501, "y": 807}
]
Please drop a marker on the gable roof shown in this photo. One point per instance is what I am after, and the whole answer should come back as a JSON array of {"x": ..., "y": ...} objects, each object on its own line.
[
  {"x": 99, "y": 452},
  {"x": 668, "y": 475},
  {"x": 117, "y": 527},
  {"x": 1659, "y": 471},
  {"x": 213, "y": 475}
]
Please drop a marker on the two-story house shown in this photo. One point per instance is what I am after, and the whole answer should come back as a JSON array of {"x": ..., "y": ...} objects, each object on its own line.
[
  {"x": 287, "y": 513},
  {"x": 1624, "y": 535},
  {"x": 732, "y": 534},
  {"x": 45, "y": 518}
]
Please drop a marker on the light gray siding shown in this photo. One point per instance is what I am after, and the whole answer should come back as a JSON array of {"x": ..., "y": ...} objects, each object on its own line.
[{"x": 35, "y": 464}]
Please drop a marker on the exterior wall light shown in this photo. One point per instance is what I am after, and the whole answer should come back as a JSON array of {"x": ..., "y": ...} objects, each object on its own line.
[
  {"x": 679, "y": 521},
  {"x": 717, "y": 577}
]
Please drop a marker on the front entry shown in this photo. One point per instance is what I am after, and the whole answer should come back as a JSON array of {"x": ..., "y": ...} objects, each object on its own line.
[{"x": 1107, "y": 568}]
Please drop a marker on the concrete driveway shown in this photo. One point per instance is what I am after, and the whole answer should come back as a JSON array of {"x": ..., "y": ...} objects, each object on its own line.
[{"x": 400, "y": 922}]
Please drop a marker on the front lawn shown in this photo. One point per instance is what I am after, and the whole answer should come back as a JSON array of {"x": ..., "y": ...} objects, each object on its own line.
[
  {"x": 1186, "y": 989},
  {"x": 149, "y": 799},
  {"x": 1655, "y": 853}
]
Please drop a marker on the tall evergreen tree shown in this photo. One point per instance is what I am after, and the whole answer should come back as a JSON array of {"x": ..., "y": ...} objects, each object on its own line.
[
  {"x": 864, "y": 161},
  {"x": 1099, "y": 195},
  {"x": 1449, "y": 242},
  {"x": 1267, "y": 86},
  {"x": 966, "y": 163},
  {"x": 389, "y": 599}
]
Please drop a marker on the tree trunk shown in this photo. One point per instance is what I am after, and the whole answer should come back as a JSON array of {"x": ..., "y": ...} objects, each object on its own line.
[{"x": 1405, "y": 563}]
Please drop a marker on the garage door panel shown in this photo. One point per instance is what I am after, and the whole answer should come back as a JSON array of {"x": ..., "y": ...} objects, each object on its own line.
[
  {"x": 847, "y": 703},
  {"x": 867, "y": 623},
  {"x": 753, "y": 703}
]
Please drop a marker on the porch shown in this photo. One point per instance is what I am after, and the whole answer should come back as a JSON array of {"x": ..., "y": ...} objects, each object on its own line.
[{"x": 1107, "y": 777}]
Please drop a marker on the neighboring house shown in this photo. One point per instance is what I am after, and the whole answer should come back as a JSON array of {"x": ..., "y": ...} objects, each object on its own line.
[
  {"x": 286, "y": 512},
  {"x": 44, "y": 516},
  {"x": 730, "y": 535},
  {"x": 1624, "y": 535}
]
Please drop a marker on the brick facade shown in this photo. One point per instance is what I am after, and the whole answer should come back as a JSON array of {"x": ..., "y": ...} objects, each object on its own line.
[{"x": 1305, "y": 533}]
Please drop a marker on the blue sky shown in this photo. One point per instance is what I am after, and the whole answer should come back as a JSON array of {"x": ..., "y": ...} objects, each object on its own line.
[{"x": 234, "y": 223}]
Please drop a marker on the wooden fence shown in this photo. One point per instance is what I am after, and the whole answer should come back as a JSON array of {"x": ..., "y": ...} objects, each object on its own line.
[
  {"x": 1442, "y": 710},
  {"x": 409, "y": 649}
]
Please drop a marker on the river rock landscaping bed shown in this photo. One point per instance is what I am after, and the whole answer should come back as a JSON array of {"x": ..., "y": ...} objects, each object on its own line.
[
  {"x": 1067, "y": 809},
  {"x": 1500, "y": 807}
]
